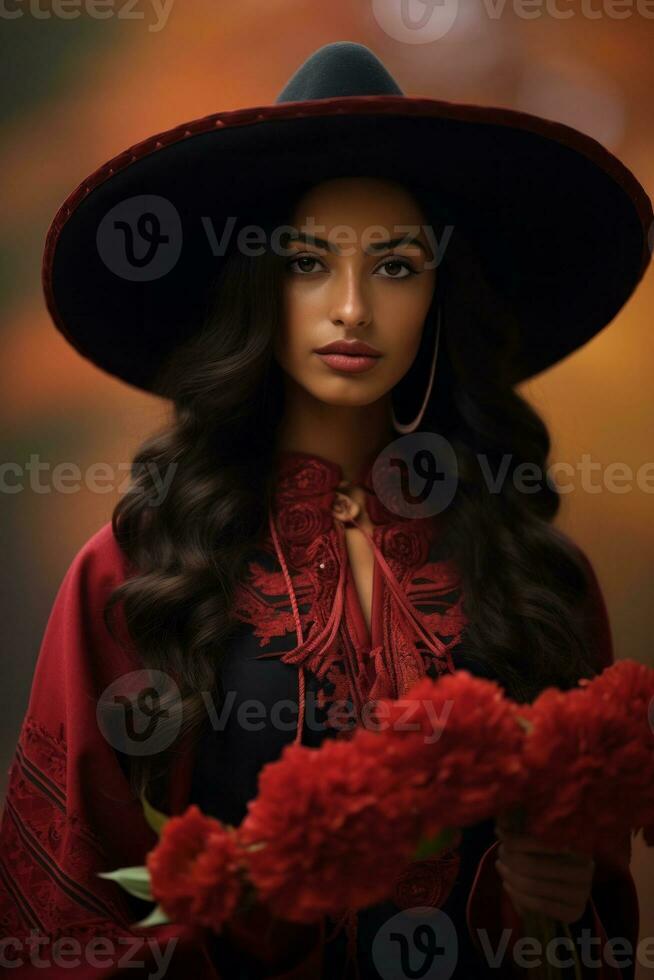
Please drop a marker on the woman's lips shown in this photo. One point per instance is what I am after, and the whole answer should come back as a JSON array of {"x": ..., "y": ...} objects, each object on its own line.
[{"x": 354, "y": 363}]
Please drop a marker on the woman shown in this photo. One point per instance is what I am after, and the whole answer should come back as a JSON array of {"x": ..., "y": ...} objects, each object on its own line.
[{"x": 302, "y": 560}]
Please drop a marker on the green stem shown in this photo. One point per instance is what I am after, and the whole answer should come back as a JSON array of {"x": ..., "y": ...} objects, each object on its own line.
[
  {"x": 567, "y": 932},
  {"x": 539, "y": 926}
]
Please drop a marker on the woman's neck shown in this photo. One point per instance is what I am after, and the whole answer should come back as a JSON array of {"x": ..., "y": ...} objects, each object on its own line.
[{"x": 348, "y": 435}]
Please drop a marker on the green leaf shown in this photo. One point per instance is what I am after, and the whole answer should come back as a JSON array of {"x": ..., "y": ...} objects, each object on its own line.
[
  {"x": 525, "y": 724},
  {"x": 429, "y": 846},
  {"x": 134, "y": 880},
  {"x": 155, "y": 818},
  {"x": 156, "y": 917}
]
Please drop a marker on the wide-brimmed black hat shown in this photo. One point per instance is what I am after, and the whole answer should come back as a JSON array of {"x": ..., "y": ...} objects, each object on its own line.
[{"x": 560, "y": 224}]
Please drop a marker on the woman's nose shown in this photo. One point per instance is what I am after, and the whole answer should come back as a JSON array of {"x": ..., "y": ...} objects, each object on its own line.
[{"x": 350, "y": 303}]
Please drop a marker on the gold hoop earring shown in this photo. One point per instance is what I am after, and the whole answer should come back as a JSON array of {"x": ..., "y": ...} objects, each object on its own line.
[{"x": 412, "y": 426}]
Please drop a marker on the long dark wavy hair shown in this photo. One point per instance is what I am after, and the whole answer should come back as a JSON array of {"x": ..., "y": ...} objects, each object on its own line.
[{"x": 524, "y": 582}]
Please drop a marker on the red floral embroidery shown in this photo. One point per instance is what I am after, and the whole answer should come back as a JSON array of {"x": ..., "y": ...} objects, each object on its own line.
[
  {"x": 405, "y": 544},
  {"x": 299, "y": 522},
  {"x": 322, "y": 554},
  {"x": 49, "y": 853},
  {"x": 334, "y": 695},
  {"x": 45, "y": 750},
  {"x": 436, "y": 590},
  {"x": 305, "y": 493},
  {"x": 427, "y": 882},
  {"x": 264, "y": 604},
  {"x": 303, "y": 475}
]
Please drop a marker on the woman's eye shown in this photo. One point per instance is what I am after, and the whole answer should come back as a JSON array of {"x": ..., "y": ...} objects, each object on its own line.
[
  {"x": 398, "y": 264},
  {"x": 311, "y": 259}
]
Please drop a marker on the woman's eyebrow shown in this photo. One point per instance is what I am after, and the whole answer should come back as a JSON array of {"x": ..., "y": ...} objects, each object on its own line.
[{"x": 302, "y": 236}]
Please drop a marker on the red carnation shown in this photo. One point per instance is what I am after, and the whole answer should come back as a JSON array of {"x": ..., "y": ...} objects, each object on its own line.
[
  {"x": 627, "y": 687},
  {"x": 589, "y": 747},
  {"x": 196, "y": 870},
  {"x": 330, "y": 829},
  {"x": 457, "y": 738},
  {"x": 628, "y": 684}
]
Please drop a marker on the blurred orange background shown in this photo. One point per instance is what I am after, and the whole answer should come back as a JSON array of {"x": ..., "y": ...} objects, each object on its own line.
[{"x": 79, "y": 90}]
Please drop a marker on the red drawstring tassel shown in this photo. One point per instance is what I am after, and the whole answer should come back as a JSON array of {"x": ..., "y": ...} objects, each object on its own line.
[
  {"x": 298, "y": 627},
  {"x": 411, "y": 614},
  {"x": 328, "y": 634},
  {"x": 349, "y": 921},
  {"x": 351, "y": 956}
]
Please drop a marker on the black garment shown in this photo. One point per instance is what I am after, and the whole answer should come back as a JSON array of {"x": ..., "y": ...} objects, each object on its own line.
[{"x": 224, "y": 779}]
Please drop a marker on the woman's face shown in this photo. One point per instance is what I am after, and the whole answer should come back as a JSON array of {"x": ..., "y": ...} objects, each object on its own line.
[{"x": 357, "y": 289}]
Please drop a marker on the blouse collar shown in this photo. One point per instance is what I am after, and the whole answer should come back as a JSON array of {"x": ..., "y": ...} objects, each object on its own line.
[{"x": 311, "y": 478}]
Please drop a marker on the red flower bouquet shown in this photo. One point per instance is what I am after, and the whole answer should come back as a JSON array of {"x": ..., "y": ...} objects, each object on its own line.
[{"x": 453, "y": 752}]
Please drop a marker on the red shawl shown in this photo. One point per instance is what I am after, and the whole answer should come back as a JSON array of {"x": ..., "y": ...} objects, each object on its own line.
[{"x": 69, "y": 813}]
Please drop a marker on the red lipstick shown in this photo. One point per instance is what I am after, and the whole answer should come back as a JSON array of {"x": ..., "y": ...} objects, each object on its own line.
[{"x": 348, "y": 355}]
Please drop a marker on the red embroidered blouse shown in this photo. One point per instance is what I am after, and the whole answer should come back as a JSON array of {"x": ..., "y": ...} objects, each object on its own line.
[
  {"x": 416, "y": 603},
  {"x": 300, "y": 641}
]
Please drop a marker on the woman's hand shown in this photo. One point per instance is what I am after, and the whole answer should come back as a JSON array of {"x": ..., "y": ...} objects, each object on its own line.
[{"x": 543, "y": 878}]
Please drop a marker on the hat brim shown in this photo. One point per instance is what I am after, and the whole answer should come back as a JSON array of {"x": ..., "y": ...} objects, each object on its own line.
[{"x": 559, "y": 223}]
